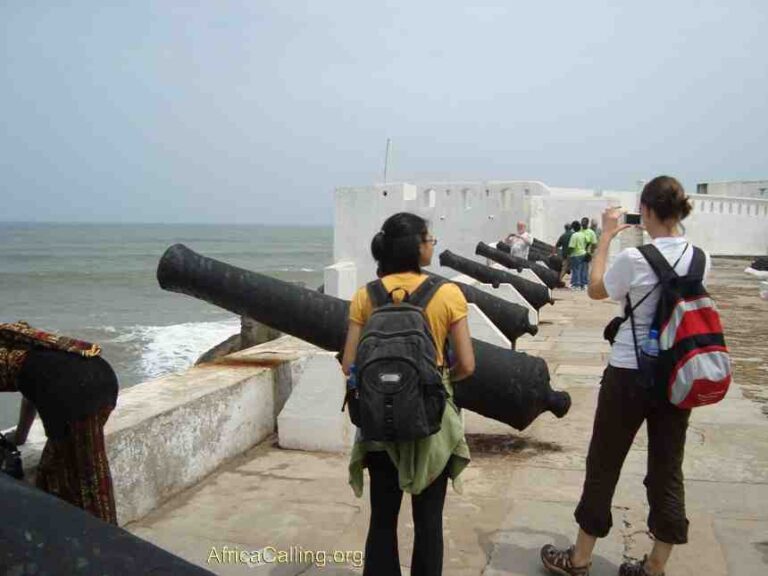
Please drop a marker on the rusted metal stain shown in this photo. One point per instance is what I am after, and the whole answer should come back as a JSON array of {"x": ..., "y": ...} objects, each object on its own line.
[{"x": 249, "y": 362}]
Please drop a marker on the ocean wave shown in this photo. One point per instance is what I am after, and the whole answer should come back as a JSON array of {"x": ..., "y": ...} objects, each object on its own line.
[{"x": 169, "y": 349}]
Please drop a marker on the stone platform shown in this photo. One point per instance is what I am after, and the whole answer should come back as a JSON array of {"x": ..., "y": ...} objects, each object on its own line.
[{"x": 519, "y": 491}]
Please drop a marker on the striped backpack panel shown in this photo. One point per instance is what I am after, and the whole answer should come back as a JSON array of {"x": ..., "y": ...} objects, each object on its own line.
[{"x": 694, "y": 365}]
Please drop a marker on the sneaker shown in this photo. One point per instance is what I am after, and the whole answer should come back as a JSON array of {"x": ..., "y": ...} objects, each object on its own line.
[
  {"x": 635, "y": 568},
  {"x": 558, "y": 561}
]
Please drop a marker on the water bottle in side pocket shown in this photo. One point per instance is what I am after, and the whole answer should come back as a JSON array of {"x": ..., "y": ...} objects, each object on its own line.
[{"x": 649, "y": 358}]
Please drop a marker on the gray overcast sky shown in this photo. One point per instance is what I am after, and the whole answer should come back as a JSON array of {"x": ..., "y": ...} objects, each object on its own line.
[{"x": 254, "y": 111}]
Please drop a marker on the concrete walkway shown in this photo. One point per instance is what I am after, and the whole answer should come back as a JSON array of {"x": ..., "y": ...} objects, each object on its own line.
[{"x": 519, "y": 492}]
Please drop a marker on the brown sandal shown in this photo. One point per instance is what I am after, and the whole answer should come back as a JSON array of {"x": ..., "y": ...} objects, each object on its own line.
[
  {"x": 558, "y": 561},
  {"x": 635, "y": 568}
]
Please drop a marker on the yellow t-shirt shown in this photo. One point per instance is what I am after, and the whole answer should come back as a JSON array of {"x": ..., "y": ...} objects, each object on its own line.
[{"x": 447, "y": 306}]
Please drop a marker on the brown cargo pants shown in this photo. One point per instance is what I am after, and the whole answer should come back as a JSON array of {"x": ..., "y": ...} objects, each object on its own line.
[{"x": 623, "y": 404}]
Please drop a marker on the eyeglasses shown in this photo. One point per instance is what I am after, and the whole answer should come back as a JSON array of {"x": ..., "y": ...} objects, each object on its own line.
[{"x": 431, "y": 240}]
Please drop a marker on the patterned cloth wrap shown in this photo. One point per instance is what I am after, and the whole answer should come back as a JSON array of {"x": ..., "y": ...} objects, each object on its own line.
[{"x": 17, "y": 338}]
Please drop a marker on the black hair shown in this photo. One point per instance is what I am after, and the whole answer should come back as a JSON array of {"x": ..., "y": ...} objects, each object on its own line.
[
  {"x": 567, "y": 226},
  {"x": 396, "y": 246},
  {"x": 575, "y": 226},
  {"x": 585, "y": 219},
  {"x": 665, "y": 196}
]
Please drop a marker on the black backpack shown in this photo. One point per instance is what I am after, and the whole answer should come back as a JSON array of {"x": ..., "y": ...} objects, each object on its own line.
[{"x": 401, "y": 395}]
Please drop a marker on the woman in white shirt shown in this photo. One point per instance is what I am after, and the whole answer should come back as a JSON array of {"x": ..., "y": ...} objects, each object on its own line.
[{"x": 625, "y": 402}]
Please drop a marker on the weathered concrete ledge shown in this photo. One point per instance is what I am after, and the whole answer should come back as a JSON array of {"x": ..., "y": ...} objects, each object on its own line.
[{"x": 169, "y": 433}]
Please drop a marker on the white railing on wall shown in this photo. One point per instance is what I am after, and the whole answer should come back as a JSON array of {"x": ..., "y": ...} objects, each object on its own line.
[{"x": 729, "y": 206}]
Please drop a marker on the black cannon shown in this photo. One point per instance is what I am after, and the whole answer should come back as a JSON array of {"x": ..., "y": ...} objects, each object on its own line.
[
  {"x": 536, "y": 294},
  {"x": 554, "y": 261},
  {"x": 549, "y": 277},
  {"x": 508, "y": 386},
  {"x": 43, "y": 534},
  {"x": 537, "y": 247},
  {"x": 540, "y": 246},
  {"x": 511, "y": 319}
]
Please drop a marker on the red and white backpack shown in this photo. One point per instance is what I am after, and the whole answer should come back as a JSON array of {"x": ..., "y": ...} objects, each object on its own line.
[{"x": 693, "y": 364}]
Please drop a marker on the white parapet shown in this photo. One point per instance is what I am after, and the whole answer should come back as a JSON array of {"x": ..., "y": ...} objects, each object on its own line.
[
  {"x": 312, "y": 418},
  {"x": 481, "y": 327},
  {"x": 340, "y": 279}
]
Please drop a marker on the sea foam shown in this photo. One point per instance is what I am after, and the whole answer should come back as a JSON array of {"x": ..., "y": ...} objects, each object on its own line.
[{"x": 169, "y": 349}]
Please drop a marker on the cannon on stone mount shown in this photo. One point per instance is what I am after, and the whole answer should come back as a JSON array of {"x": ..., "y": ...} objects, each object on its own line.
[
  {"x": 549, "y": 277},
  {"x": 536, "y": 294},
  {"x": 508, "y": 386}
]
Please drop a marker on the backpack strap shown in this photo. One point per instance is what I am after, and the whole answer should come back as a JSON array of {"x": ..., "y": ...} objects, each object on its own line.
[
  {"x": 426, "y": 290},
  {"x": 698, "y": 264},
  {"x": 661, "y": 267},
  {"x": 377, "y": 293}
]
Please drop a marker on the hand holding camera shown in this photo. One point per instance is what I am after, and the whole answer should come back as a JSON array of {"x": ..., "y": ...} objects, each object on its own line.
[{"x": 615, "y": 220}]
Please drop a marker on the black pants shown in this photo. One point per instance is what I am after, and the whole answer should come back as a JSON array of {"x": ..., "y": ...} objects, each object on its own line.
[
  {"x": 381, "y": 554},
  {"x": 622, "y": 407}
]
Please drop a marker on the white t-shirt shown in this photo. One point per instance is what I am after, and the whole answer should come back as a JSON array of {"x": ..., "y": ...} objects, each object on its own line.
[
  {"x": 520, "y": 245},
  {"x": 631, "y": 273}
]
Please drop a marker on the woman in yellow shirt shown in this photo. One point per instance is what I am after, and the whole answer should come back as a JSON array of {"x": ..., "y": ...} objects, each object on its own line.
[{"x": 420, "y": 467}]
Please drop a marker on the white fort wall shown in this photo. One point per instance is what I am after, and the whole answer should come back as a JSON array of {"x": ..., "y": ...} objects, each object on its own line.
[
  {"x": 463, "y": 213},
  {"x": 728, "y": 226}
]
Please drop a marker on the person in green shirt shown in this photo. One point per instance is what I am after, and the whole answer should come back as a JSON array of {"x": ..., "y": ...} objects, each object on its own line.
[
  {"x": 577, "y": 251},
  {"x": 589, "y": 234},
  {"x": 591, "y": 239}
]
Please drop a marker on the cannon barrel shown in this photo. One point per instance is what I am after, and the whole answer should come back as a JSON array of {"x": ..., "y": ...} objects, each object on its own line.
[
  {"x": 538, "y": 251},
  {"x": 549, "y": 277},
  {"x": 511, "y": 319},
  {"x": 280, "y": 305},
  {"x": 509, "y": 386},
  {"x": 536, "y": 294},
  {"x": 537, "y": 246},
  {"x": 542, "y": 246},
  {"x": 553, "y": 261},
  {"x": 58, "y": 538}
]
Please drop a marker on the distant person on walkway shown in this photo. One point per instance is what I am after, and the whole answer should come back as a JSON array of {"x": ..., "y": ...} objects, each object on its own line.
[
  {"x": 74, "y": 389},
  {"x": 520, "y": 243},
  {"x": 420, "y": 467},
  {"x": 589, "y": 234},
  {"x": 593, "y": 225},
  {"x": 591, "y": 239},
  {"x": 577, "y": 252},
  {"x": 562, "y": 249},
  {"x": 625, "y": 402}
]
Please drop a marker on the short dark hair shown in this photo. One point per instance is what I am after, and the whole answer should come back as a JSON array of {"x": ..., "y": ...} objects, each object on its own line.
[
  {"x": 665, "y": 196},
  {"x": 567, "y": 226},
  {"x": 575, "y": 226},
  {"x": 585, "y": 222},
  {"x": 396, "y": 246}
]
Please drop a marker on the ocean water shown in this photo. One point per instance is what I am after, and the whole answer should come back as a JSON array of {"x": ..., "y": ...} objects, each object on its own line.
[{"x": 97, "y": 282}]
